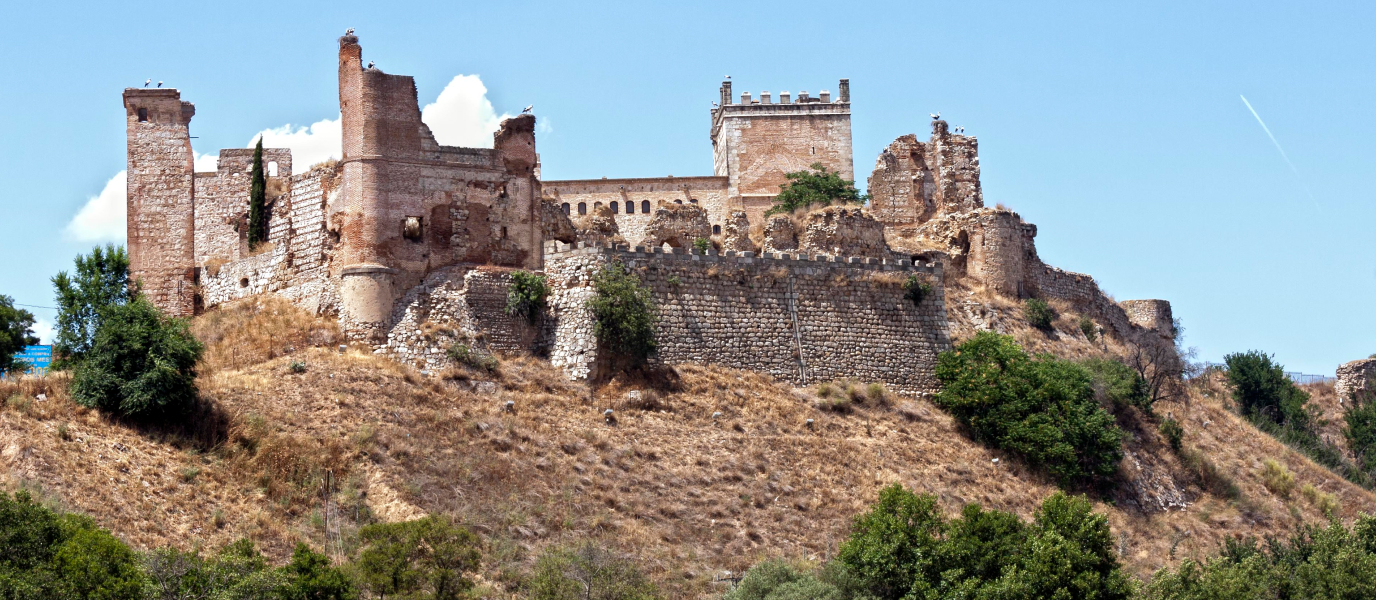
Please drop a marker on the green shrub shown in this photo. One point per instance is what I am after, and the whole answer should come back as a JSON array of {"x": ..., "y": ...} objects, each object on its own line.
[
  {"x": 257, "y": 199},
  {"x": 904, "y": 548},
  {"x": 1261, "y": 389},
  {"x": 779, "y": 580},
  {"x": 429, "y": 557},
  {"x": 16, "y": 332},
  {"x": 1174, "y": 433},
  {"x": 1087, "y": 327},
  {"x": 702, "y": 245},
  {"x": 1277, "y": 478},
  {"x": 297, "y": 366},
  {"x": 1359, "y": 427},
  {"x": 915, "y": 289},
  {"x": 1038, "y": 313},
  {"x": 1042, "y": 408},
  {"x": 141, "y": 364},
  {"x": 1117, "y": 384},
  {"x": 311, "y": 576},
  {"x": 624, "y": 314},
  {"x": 526, "y": 296},
  {"x": 462, "y": 354},
  {"x": 588, "y": 572},
  {"x": 101, "y": 280},
  {"x": 48, "y": 555},
  {"x": 817, "y": 186}
]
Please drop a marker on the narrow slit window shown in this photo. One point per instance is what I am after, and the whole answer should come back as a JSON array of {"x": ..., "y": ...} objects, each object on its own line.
[
  {"x": 645, "y": 206},
  {"x": 143, "y": 115}
]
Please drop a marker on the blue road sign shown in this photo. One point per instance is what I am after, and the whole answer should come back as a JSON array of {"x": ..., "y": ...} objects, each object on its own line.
[{"x": 38, "y": 357}]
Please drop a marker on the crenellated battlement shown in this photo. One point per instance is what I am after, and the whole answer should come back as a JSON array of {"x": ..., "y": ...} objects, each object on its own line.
[{"x": 554, "y": 249}]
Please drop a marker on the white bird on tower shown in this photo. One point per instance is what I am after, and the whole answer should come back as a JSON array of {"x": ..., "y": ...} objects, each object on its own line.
[
  {"x": 527, "y": 109},
  {"x": 370, "y": 64},
  {"x": 935, "y": 116},
  {"x": 159, "y": 84},
  {"x": 146, "y": 82},
  {"x": 349, "y": 31}
]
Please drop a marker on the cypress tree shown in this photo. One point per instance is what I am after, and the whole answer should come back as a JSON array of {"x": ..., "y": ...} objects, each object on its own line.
[{"x": 257, "y": 199}]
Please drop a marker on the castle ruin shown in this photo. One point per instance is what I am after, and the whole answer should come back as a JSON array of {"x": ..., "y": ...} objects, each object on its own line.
[{"x": 412, "y": 244}]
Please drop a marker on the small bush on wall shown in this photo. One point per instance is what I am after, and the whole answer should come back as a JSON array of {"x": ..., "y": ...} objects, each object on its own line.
[
  {"x": 915, "y": 289},
  {"x": 623, "y": 313},
  {"x": 526, "y": 297}
]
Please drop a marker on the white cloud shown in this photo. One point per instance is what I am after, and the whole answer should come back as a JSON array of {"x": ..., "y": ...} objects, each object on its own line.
[
  {"x": 207, "y": 162},
  {"x": 544, "y": 126},
  {"x": 102, "y": 218},
  {"x": 462, "y": 115},
  {"x": 309, "y": 146},
  {"x": 44, "y": 330}
]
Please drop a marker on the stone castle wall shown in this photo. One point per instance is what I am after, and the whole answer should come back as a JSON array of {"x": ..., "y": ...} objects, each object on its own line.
[
  {"x": 803, "y": 319},
  {"x": 464, "y": 305},
  {"x": 1355, "y": 378},
  {"x": 629, "y": 198},
  {"x": 914, "y": 181},
  {"x": 160, "y": 195},
  {"x": 222, "y": 199}
]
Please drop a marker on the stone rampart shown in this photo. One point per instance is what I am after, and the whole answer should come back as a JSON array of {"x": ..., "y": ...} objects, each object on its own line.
[
  {"x": 1356, "y": 377},
  {"x": 805, "y": 319}
]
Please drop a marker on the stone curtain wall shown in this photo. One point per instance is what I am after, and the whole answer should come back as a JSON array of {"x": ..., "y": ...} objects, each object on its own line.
[
  {"x": 460, "y": 305},
  {"x": 709, "y": 192},
  {"x": 803, "y": 320},
  {"x": 1154, "y": 315},
  {"x": 222, "y": 199},
  {"x": 1356, "y": 377}
]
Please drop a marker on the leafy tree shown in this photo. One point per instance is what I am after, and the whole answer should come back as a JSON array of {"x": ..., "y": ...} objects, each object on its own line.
[
  {"x": 1069, "y": 555},
  {"x": 526, "y": 296},
  {"x": 142, "y": 363},
  {"x": 1118, "y": 384},
  {"x": 429, "y": 555},
  {"x": 101, "y": 280},
  {"x": 1261, "y": 389},
  {"x": 1041, "y": 408},
  {"x": 48, "y": 555},
  {"x": 588, "y": 572},
  {"x": 16, "y": 332},
  {"x": 779, "y": 580},
  {"x": 1360, "y": 428},
  {"x": 623, "y": 313},
  {"x": 310, "y": 576},
  {"x": 892, "y": 546},
  {"x": 817, "y": 186},
  {"x": 257, "y": 200}
]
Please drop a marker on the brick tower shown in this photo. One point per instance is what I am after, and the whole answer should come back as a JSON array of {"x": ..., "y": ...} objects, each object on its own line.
[
  {"x": 160, "y": 197},
  {"x": 756, "y": 141}
]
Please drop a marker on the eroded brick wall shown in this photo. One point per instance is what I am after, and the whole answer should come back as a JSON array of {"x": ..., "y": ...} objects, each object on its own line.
[
  {"x": 799, "y": 319},
  {"x": 222, "y": 202},
  {"x": 628, "y": 198}
]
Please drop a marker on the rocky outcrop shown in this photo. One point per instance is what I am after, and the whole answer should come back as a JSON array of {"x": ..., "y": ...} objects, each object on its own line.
[
  {"x": 736, "y": 235},
  {"x": 599, "y": 226}
]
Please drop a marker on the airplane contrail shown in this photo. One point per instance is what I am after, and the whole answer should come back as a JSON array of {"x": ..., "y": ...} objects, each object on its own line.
[{"x": 1279, "y": 149}]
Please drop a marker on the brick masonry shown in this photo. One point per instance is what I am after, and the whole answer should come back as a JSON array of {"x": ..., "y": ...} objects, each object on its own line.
[{"x": 801, "y": 318}]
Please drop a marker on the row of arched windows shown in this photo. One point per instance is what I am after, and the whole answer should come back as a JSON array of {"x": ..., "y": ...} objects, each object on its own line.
[{"x": 616, "y": 207}]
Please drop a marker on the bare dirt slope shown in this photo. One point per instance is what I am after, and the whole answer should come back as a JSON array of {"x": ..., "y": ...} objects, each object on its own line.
[{"x": 713, "y": 471}]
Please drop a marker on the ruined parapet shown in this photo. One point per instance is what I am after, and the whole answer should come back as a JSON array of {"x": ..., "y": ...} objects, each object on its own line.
[
  {"x": 161, "y": 197},
  {"x": 222, "y": 201},
  {"x": 736, "y": 236},
  {"x": 914, "y": 181},
  {"x": 991, "y": 246},
  {"x": 800, "y": 318},
  {"x": 599, "y": 226},
  {"x": 678, "y": 225},
  {"x": 780, "y": 235},
  {"x": 1355, "y": 379},
  {"x": 1153, "y": 315},
  {"x": 555, "y": 225},
  {"x": 843, "y": 231}
]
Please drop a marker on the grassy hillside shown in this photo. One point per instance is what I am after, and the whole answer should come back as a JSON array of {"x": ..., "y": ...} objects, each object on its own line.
[{"x": 709, "y": 469}]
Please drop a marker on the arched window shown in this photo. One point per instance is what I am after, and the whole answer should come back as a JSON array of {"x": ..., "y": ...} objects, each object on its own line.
[
  {"x": 566, "y": 208},
  {"x": 630, "y": 207},
  {"x": 582, "y": 208},
  {"x": 716, "y": 230},
  {"x": 596, "y": 205},
  {"x": 645, "y": 206},
  {"x": 693, "y": 200},
  {"x": 616, "y": 207}
]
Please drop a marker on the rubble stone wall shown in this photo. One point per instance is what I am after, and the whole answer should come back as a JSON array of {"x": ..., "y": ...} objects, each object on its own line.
[
  {"x": 222, "y": 199},
  {"x": 160, "y": 194},
  {"x": 803, "y": 319},
  {"x": 1356, "y": 377},
  {"x": 913, "y": 181}
]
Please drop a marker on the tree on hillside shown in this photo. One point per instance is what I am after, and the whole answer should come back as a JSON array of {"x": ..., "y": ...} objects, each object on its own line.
[
  {"x": 429, "y": 556},
  {"x": 16, "y": 332},
  {"x": 817, "y": 186},
  {"x": 101, "y": 280},
  {"x": 141, "y": 363},
  {"x": 257, "y": 200}
]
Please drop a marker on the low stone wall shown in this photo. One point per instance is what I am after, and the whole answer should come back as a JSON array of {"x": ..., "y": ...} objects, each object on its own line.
[
  {"x": 1356, "y": 377},
  {"x": 460, "y": 304},
  {"x": 804, "y": 319}
]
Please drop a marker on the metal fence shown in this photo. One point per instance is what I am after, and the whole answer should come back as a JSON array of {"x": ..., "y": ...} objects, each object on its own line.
[{"x": 1295, "y": 376}]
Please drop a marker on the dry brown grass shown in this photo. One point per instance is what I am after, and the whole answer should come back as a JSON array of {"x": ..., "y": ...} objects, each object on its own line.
[
  {"x": 711, "y": 469},
  {"x": 258, "y": 329}
]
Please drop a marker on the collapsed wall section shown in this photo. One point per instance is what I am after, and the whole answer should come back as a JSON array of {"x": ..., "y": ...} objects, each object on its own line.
[
  {"x": 913, "y": 182},
  {"x": 800, "y": 318}
]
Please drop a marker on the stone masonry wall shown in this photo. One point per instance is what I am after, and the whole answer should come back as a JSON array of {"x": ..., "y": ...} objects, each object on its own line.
[
  {"x": 459, "y": 305},
  {"x": 803, "y": 319},
  {"x": 914, "y": 181},
  {"x": 160, "y": 197},
  {"x": 1356, "y": 377},
  {"x": 628, "y": 198},
  {"x": 222, "y": 199}
]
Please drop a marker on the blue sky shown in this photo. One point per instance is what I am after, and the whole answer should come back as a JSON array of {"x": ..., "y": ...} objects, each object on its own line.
[{"x": 1117, "y": 128}]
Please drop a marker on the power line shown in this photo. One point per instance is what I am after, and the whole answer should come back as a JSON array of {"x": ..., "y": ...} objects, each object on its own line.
[{"x": 36, "y": 306}]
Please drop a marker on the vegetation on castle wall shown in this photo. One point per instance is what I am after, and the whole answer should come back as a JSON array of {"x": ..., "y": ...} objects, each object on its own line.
[
  {"x": 257, "y": 200},
  {"x": 1041, "y": 408},
  {"x": 624, "y": 314},
  {"x": 915, "y": 289},
  {"x": 16, "y": 332},
  {"x": 101, "y": 280},
  {"x": 141, "y": 363},
  {"x": 526, "y": 296},
  {"x": 815, "y": 187}
]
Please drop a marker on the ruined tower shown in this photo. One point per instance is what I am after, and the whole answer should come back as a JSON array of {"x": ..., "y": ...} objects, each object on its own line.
[
  {"x": 915, "y": 181},
  {"x": 409, "y": 206},
  {"x": 757, "y": 140},
  {"x": 161, "y": 214}
]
